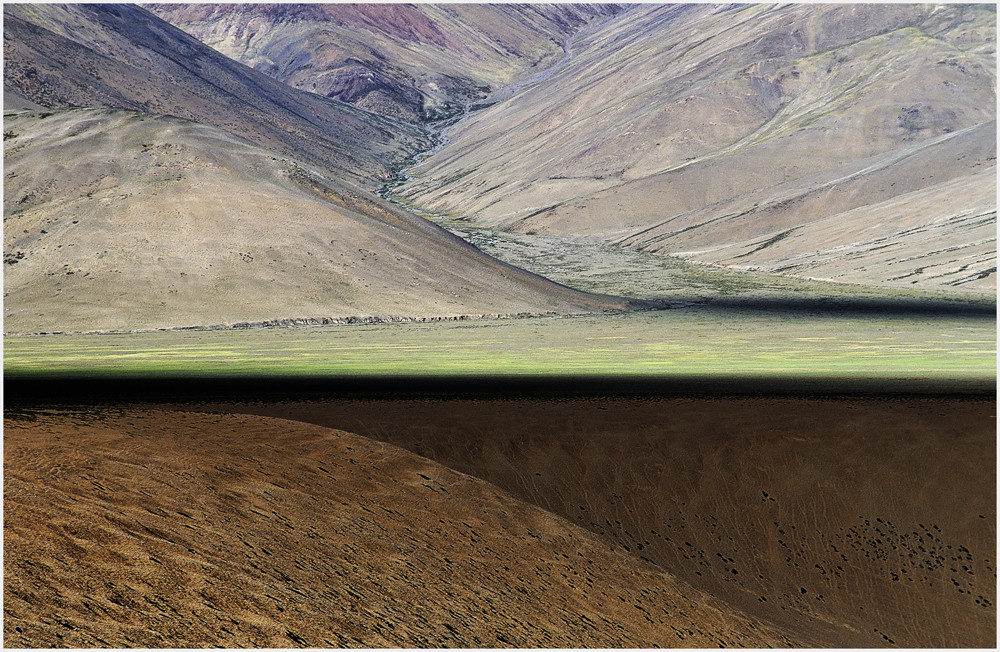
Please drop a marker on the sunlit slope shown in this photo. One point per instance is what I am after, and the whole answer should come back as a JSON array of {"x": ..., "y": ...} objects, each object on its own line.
[
  {"x": 115, "y": 220},
  {"x": 414, "y": 62},
  {"x": 863, "y": 522},
  {"x": 121, "y": 56},
  {"x": 701, "y": 116},
  {"x": 159, "y": 529},
  {"x": 900, "y": 218}
]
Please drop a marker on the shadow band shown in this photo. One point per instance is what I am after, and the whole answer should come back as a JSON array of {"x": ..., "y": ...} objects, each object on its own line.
[
  {"x": 38, "y": 389},
  {"x": 834, "y": 307}
]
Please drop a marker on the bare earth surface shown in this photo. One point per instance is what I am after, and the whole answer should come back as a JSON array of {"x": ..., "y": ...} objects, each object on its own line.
[
  {"x": 115, "y": 220},
  {"x": 842, "y": 142},
  {"x": 152, "y": 183},
  {"x": 849, "y": 522},
  {"x": 148, "y": 528},
  {"x": 121, "y": 56}
]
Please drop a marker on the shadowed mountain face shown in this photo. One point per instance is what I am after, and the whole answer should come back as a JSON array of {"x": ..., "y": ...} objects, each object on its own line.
[
  {"x": 844, "y": 142},
  {"x": 416, "y": 62},
  {"x": 121, "y": 56},
  {"x": 115, "y": 220},
  {"x": 159, "y": 529}
]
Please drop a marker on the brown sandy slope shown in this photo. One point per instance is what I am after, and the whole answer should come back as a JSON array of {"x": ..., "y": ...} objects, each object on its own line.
[
  {"x": 422, "y": 61},
  {"x": 160, "y": 529},
  {"x": 710, "y": 132},
  {"x": 121, "y": 56},
  {"x": 850, "y": 522},
  {"x": 115, "y": 220}
]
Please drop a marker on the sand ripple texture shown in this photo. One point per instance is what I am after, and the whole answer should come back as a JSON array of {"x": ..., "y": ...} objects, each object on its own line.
[
  {"x": 850, "y": 522},
  {"x": 158, "y": 529}
]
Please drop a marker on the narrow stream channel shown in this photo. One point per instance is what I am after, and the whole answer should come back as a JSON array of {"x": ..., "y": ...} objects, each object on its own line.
[{"x": 439, "y": 130}]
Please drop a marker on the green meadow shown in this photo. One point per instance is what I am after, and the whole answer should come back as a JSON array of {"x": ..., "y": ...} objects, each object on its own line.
[{"x": 675, "y": 342}]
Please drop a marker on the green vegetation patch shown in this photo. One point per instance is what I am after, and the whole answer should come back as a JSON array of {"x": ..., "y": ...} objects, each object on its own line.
[{"x": 678, "y": 342}]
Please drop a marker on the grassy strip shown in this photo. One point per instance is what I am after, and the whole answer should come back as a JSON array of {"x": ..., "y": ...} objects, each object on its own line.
[{"x": 668, "y": 343}]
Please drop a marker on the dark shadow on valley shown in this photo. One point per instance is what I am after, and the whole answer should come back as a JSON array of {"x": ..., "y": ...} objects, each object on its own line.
[
  {"x": 39, "y": 390},
  {"x": 836, "y": 306}
]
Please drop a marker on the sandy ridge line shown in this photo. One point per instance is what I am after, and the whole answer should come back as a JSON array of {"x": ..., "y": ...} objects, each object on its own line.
[{"x": 390, "y": 484}]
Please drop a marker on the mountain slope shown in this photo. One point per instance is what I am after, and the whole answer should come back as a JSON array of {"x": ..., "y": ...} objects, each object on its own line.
[
  {"x": 121, "y": 56},
  {"x": 415, "y": 62},
  {"x": 115, "y": 220},
  {"x": 159, "y": 529},
  {"x": 667, "y": 112},
  {"x": 901, "y": 218}
]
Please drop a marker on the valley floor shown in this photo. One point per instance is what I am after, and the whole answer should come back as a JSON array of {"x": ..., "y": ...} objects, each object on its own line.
[
  {"x": 591, "y": 265},
  {"x": 812, "y": 340}
]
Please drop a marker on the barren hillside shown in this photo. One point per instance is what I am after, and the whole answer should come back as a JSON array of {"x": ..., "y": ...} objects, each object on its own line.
[
  {"x": 851, "y": 522},
  {"x": 116, "y": 220},
  {"x": 713, "y": 132},
  {"x": 121, "y": 56}
]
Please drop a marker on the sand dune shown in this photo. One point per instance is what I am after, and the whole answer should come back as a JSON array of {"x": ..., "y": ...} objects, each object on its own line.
[
  {"x": 850, "y": 522},
  {"x": 143, "y": 528}
]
